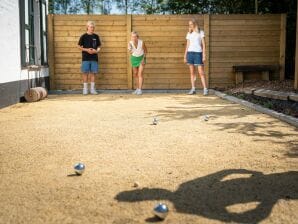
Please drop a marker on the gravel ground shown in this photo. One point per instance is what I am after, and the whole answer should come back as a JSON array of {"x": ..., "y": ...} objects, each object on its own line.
[{"x": 238, "y": 166}]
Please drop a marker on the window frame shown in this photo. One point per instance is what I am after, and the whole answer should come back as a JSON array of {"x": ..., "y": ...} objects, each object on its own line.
[
  {"x": 43, "y": 32},
  {"x": 29, "y": 27}
]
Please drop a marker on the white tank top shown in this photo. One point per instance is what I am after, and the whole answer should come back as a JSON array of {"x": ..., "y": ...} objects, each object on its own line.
[{"x": 139, "y": 51}]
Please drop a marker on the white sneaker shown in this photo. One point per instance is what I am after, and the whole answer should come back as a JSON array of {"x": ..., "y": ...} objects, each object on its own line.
[
  {"x": 139, "y": 92},
  {"x": 205, "y": 93},
  {"x": 192, "y": 92},
  {"x": 135, "y": 92},
  {"x": 85, "y": 91},
  {"x": 93, "y": 92}
]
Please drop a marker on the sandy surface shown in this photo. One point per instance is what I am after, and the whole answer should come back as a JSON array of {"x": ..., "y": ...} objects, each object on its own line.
[{"x": 240, "y": 166}]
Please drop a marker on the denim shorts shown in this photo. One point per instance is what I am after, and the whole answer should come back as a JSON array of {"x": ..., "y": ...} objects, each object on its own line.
[
  {"x": 89, "y": 67},
  {"x": 194, "y": 58}
]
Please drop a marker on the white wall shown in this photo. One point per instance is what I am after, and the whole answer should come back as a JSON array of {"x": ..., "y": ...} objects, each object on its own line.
[{"x": 10, "y": 54}]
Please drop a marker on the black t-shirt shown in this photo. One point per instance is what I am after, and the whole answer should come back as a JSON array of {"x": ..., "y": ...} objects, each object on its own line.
[{"x": 89, "y": 41}]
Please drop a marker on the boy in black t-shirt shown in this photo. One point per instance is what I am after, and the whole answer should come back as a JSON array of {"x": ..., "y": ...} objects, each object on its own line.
[{"x": 89, "y": 44}]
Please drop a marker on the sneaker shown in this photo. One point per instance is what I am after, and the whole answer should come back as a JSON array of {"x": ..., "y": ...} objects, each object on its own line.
[
  {"x": 139, "y": 92},
  {"x": 93, "y": 92},
  {"x": 135, "y": 92},
  {"x": 192, "y": 92},
  {"x": 85, "y": 91},
  {"x": 205, "y": 93}
]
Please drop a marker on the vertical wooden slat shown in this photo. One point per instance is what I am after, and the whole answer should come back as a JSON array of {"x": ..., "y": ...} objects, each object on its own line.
[
  {"x": 296, "y": 56},
  {"x": 207, "y": 41},
  {"x": 129, "y": 68},
  {"x": 51, "y": 51},
  {"x": 282, "y": 61}
]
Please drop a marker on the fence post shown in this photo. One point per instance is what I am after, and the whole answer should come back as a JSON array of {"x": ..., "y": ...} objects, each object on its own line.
[
  {"x": 282, "y": 50},
  {"x": 296, "y": 55},
  {"x": 207, "y": 48},
  {"x": 51, "y": 53},
  {"x": 129, "y": 68}
]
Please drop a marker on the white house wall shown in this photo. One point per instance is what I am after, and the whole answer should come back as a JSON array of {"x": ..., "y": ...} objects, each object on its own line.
[{"x": 11, "y": 73}]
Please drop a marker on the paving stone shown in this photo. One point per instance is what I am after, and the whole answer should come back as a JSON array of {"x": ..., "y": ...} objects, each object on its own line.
[
  {"x": 293, "y": 97},
  {"x": 272, "y": 94}
]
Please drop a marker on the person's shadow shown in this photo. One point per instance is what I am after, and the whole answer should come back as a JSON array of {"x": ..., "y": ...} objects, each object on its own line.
[{"x": 209, "y": 196}]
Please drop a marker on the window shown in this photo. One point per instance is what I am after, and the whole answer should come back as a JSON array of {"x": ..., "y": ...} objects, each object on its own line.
[
  {"x": 43, "y": 31},
  {"x": 27, "y": 32},
  {"x": 33, "y": 28}
]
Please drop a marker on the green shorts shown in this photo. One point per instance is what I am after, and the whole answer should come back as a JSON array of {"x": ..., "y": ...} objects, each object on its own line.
[{"x": 136, "y": 61}]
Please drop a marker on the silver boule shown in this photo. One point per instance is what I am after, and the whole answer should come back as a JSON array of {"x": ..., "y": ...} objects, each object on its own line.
[
  {"x": 161, "y": 210},
  {"x": 79, "y": 168},
  {"x": 155, "y": 121}
]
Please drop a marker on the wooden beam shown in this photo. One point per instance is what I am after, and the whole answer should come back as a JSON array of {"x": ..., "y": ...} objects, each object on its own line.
[
  {"x": 51, "y": 48},
  {"x": 207, "y": 43},
  {"x": 296, "y": 57},
  {"x": 129, "y": 68},
  {"x": 282, "y": 50}
]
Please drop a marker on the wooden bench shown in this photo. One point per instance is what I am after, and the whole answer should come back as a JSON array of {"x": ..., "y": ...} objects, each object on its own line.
[{"x": 264, "y": 69}]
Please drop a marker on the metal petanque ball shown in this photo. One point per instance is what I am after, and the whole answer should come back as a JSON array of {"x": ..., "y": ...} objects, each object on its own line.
[
  {"x": 79, "y": 168},
  {"x": 161, "y": 210},
  {"x": 155, "y": 121}
]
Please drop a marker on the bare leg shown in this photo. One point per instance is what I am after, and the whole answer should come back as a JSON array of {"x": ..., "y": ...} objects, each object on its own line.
[
  {"x": 92, "y": 77},
  {"x": 85, "y": 78},
  {"x": 202, "y": 76},
  {"x": 135, "y": 74},
  {"x": 192, "y": 75},
  {"x": 140, "y": 76}
]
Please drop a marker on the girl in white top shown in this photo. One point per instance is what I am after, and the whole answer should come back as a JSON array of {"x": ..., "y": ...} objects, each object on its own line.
[
  {"x": 195, "y": 54},
  {"x": 138, "y": 51}
]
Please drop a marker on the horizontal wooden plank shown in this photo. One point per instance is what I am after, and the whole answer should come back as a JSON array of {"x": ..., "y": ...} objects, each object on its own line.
[
  {"x": 79, "y": 55},
  {"x": 102, "y": 38},
  {"x": 103, "y": 81},
  {"x": 243, "y": 22},
  {"x": 250, "y": 49},
  {"x": 243, "y": 54},
  {"x": 246, "y": 28},
  {"x": 245, "y": 44},
  {"x": 231, "y": 64},
  {"x": 74, "y": 44},
  {"x": 102, "y": 70},
  {"x": 245, "y": 17},
  {"x": 74, "y": 49},
  {"x": 164, "y": 23},
  {"x": 98, "y": 86},
  {"x": 237, "y": 59},
  {"x": 99, "y": 28},
  {"x": 98, "y": 23},
  {"x": 102, "y": 66},
  {"x": 245, "y": 33},
  {"x": 78, "y": 60},
  {"x": 103, "y": 50},
  {"x": 166, "y": 17},
  {"x": 77, "y": 34},
  {"x": 89, "y": 17},
  {"x": 78, "y": 76},
  {"x": 228, "y": 38},
  {"x": 165, "y": 34},
  {"x": 158, "y": 28}
]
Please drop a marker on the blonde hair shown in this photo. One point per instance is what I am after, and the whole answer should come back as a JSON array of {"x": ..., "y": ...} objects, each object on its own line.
[
  {"x": 90, "y": 23},
  {"x": 196, "y": 25},
  {"x": 135, "y": 33}
]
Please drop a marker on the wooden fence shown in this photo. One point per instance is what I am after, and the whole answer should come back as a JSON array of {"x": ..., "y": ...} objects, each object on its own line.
[{"x": 230, "y": 39}]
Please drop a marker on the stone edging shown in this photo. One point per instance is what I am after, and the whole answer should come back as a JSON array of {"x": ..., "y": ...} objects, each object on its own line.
[{"x": 286, "y": 118}]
